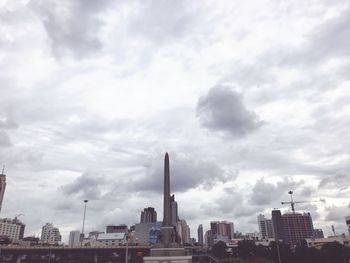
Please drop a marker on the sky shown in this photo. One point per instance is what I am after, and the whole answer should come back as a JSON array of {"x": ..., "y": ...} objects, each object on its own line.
[{"x": 249, "y": 98}]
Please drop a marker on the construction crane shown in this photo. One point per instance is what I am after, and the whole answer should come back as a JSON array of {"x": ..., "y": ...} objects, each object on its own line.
[{"x": 292, "y": 202}]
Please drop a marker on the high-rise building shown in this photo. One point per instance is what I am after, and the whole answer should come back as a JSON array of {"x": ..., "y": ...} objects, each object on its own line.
[
  {"x": 50, "y": 234},
  {"x": 222, "y": 228},
  {"x": 174, "y": 214},
  {"x": 74, "y": 238},
  {"x": 148, "y": 215},
  {"x": 183, "y": 231},
  {"x": 208, "y": 239},
  {"x": 297, "y": 227},
  {"x": 12, "y": 228},
  {"x": 265, "y": 227},
  {"x": 2, "y": 187},
  {"x": 277, "y": 224},
  {"x": 347, "y": 221},
  {"x": 116, "y": 229},
  {"x": 200, "y": 234}
]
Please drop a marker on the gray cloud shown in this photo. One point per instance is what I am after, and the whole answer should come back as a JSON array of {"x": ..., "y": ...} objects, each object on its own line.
[
  {"x": 337, "y": 213},
  {"x": 5, "y": 140},
  {"x": 72, "y": 26},
  {"x": 222, "y": 109},
  {"x": 186, "y": 173},
  {"x": 339, "y": 181}
]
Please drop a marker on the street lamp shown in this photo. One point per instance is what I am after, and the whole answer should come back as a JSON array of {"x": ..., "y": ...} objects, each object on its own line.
[{"x": 82, "y": 231}]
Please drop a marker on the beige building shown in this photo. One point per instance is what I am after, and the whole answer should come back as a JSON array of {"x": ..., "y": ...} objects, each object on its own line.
[
  {"x": 50, "y": 234},
  {"x": 184, "y": 231},
  {"x": 12, "y": 228}
]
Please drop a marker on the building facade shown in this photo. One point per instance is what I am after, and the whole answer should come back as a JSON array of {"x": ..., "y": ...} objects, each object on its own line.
[
  {"x": 347, "y": 221},
  {"x": 50, "y": 234},
  {"x": 200, "y": 234},
  {"x": 174, "y": 212},
  {"x": 2, "y": 187},
  {"x": 184, "y": 232},
  {"x": 12, "y": 228},
  {"x": 148, "y": 215},
  {"x": 297, "y": 227},
  {"x": 265, "y": 227},
  {"x": 116, "y": 229},
  {"x": 222, "y": 228},
  {"x": 277, "y": 224},
  {"x": 74, "y": 238}
]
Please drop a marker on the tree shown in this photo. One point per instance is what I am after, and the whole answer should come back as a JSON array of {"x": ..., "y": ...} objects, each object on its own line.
[{"x": 219, "y": 250}]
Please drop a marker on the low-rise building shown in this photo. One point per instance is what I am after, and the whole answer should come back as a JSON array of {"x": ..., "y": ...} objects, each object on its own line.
[
  {"x": 320, "y": 242},
  {"x": 112, "y": 239},
  {"x": 74, "y": 239},
  {"x": 50, "y": 234},
  {"x": 12, "y": 228}
]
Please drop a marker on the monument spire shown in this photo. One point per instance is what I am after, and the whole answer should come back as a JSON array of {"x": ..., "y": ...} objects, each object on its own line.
[{"x": 167, "y": 201}]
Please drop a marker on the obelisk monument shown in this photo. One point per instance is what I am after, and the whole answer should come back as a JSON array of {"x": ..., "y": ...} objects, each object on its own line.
[{"x": 167, "y": 250}]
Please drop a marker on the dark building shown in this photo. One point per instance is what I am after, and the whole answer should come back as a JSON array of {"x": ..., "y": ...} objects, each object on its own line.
[
  {"x": 318, "y": 233},
  {"x": 200, "y": 234},
  {"x": 277, "y": 224},
  {"x": 297, "y": 227},
  {"x": 117, "y": 229},
  {"x": 174, "y": 213},
  {"x": 148, "y": 215}
]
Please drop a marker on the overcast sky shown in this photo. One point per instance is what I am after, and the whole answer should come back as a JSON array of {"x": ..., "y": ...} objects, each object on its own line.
[{"x": 250, "y": 99}]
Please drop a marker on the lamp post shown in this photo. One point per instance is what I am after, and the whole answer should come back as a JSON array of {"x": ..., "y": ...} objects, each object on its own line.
[
  {"x": 127, "y": 246},
  {"x": 82, "y": 231}
]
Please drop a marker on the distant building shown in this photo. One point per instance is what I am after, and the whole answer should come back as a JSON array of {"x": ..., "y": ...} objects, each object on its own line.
[
  {"x": 74, "y": 238},
  {"x": 277, "y": 224},
  {"x": 265, "y": 227},
  {"x": 12, "y": 228},
  {"x": 208, "y": 239},
  {"x": 146, "y": 233},
  {"x": 297, "y": 226},
  {"x": 94, "y": 234},
  {"x": 222, "y": 228},
  {"x": 252, "y": 236},
  {"x": 320, "y": 242},
  {"x": 184, "y": 232},
  {"x": 318, "y": 233},
  {"x": 2, "y": 187},
  {"x": 347, "y": 221},
  {"x": 148, "y": 215},
  {"x": 112, "y": 239},
  {"x": 200, "y": 234},
  {"x": 174, "y": 212},
  {"x": 50, "y": 234},
  {"x": 117, "y": 229}
]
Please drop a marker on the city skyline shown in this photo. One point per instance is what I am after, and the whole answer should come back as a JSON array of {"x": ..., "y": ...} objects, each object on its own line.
[{"x": 250, "y": 99}]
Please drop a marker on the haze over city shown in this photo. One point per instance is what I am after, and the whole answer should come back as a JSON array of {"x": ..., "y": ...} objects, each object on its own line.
[{"x": 250, "y": 99}]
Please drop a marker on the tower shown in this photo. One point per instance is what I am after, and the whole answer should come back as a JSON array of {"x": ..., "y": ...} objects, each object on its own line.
[
  {"x": 200, "y": 234},
  {"x": 2, "y": 186}
]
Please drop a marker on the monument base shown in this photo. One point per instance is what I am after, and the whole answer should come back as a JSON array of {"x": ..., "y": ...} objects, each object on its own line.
[{"x": 164, "y": 259}]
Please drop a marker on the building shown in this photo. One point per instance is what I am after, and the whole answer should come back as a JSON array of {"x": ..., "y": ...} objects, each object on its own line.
[
  {"x": 2, "y": 187},
  {"x": 222, "y": 228},
  {"x": 277, "y": 224},
  {"x": 174, "y": 212},
  {"x": 112, "y": 239},
  {"x": 50, "y": 234},
  {"x": 318, "y": 233},
  {"x": 208, "y": 241},
  {"x": 252, "y": 236},
  {"x": 320, "y": 242},
  {"x": 184, "y": 232},
  {"x": 297, "y": 227},
  {"x": 148, "y": 215},
  {"x": 12, "y": 228},
  {"x": 116, "y": 229},
  {"x": 146, "y": 233},
  {"x": 265, "y": 227},
  {"x": 347, "y": 221},
  {"x": 200, "y": 234},
  {"x": 74, "y": 238}
]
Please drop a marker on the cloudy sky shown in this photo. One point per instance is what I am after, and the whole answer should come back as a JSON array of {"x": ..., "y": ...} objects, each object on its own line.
[{"x": 250, "y": 99}]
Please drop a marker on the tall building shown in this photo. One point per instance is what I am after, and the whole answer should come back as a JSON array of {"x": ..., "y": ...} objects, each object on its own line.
[
  {"x": 297, "y": 226},
  {"x": 265, "y": 227},
  {"x": 12, "y": 228},
  {"x": 148, "y": 215},
  {"x": 50, "y": 234},
  {"x": 277, "y": 224},
  {"x": 347, "y": 221},
  {"x": 2, "y": 186},
  {"x": 74, "y": 238},
  {"x": 208, "y": 239},
  {"x": 200, "y": 234},
  {"x": 184, "y": 231},
  {"x": 174, "y": 214},
  {"x": 222, "y": 228}
]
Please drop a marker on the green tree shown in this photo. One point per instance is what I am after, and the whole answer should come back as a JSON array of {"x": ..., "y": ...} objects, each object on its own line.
[{"x": 220, "y": 250}]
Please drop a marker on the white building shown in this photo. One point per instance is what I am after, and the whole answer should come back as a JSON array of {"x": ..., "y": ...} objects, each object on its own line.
[
  {"x": 184, "y": 232},
  {"x": 112, "y": 239},
  {"x": 74, "y": 239},
  {"x": 12, "y": 228},
  {"x": 265, "y": 227},
  {"x": 50, "y": 234}
]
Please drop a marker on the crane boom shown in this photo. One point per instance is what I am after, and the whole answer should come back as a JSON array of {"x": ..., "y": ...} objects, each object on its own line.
[{"x": 292, "y": 202}]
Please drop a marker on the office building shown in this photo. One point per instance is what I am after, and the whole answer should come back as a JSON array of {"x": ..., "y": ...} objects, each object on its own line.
[
  {"x": 148, "y": 215},
  {"x": 50, "y": 234},
  {"x": 222, "y": 228},
  {"x": 2, "y": 187},
  {"x": 200, "y": 234},
  {"x": 74, "y": 239},
  {"x": 116, "y": 229},
  {"x": 183, "y": 230},
  {"x": 277, "y": 224},
  {"x": 265, "y": 227},
  {"x": 12, "y": 228},
  {"x": 208, "y": 241},
  {"x": 347, "y": 221},
  {"x": 297, "y": 227}
]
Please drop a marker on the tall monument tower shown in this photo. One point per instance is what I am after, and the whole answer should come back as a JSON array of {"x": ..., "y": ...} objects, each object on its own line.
[
  {"x": 167, "y": 249},
  {"x": 2, "y": 186}
]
